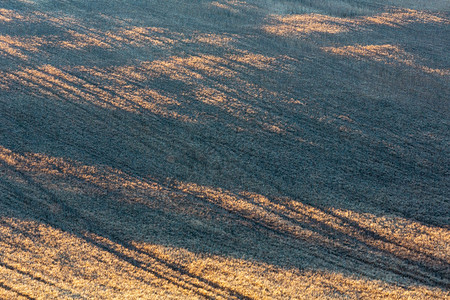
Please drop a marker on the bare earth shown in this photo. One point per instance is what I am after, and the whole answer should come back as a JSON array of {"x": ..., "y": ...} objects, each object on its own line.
[{"x": 229, "y": 149}]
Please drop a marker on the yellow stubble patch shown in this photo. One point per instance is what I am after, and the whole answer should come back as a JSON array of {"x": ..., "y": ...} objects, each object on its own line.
[
  {"x": 7, "y": 15},
  {"x": 142, "y": 36},
  {"x": 38, "y": 259},
  {"x": 224, "y": 6},
  {"x": 93, "y": 179},
  {"x": 386, "y": 53},
  {"x": 81, "y": 40},
  {"x": 305, "y": 24},
  {"x": 60, "y": 83},
  {"x": 211, "y": 39},
  {"x": 42, "y": 260},
  {"x": 299, "y": 25},
  {"x": 399, "y": 17},
  {"x": 17, "y": 47}
]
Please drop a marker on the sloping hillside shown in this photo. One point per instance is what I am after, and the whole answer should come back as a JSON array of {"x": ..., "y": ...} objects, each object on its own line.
[{"x": 224, "y": 149}]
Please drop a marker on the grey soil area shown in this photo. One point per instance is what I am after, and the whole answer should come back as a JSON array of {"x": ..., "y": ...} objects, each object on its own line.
[{"x": 270, "y": 149}]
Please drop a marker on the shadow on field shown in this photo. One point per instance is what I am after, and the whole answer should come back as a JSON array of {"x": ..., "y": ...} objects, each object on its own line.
[{"x": 249, "y": 137}]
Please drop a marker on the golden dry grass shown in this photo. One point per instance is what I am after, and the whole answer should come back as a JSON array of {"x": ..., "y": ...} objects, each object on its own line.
[
  {"x": 309, "y": 23},
  {"x": 385, "y": 53},
  {"x": 39, "y": 259},
  {"x": 223, "y": 150}
]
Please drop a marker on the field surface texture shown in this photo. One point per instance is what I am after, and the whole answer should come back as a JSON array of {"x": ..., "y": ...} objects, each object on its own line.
[{"x": 229, "y": 149}]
